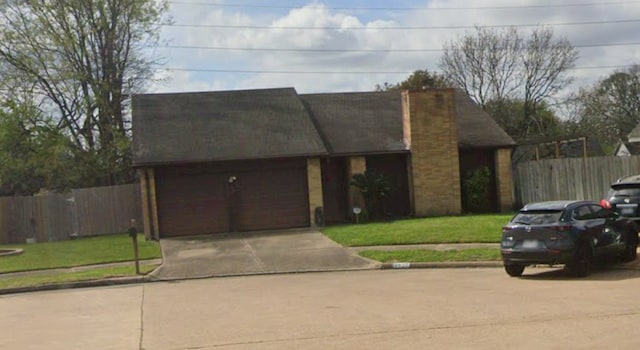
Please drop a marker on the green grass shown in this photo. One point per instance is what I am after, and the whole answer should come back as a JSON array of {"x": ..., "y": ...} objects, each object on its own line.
[
  {"x": 94, "y": 274},
  {"x": 79, "y": 252},
  {"x": 450, "y": 229},
  {"x": 432, "y": 255}
]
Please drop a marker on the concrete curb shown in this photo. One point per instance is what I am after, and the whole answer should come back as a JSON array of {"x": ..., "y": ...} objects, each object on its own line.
[
  {"x": 150, "y": 278},
  {"x": 153, "y": 278},
  {"x": 441, "y": 265},
  {"x": 79, "y": 284}
]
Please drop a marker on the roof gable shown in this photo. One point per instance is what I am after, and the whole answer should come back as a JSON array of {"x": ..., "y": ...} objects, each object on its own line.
[
  {"x": 358, "y": 122},
  {"x": 634, "y": 135},
  {"x": 476, "y": 128}
]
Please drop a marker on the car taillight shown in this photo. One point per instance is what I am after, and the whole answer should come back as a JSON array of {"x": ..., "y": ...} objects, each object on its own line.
[
  {"x": 605, "y": 204},
  {"x": 506, "y": 229}
]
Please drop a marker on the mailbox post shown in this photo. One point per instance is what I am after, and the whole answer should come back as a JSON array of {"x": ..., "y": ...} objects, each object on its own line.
[
  {"x": 133, "y": 233},
  {"x": 356, "y": 212}
]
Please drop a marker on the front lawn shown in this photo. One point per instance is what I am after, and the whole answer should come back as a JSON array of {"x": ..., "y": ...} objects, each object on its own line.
[
  {"x": 449, "y": 229},
  {"x": 427, "y": 255},
  {"x": 79, "y": 252}
]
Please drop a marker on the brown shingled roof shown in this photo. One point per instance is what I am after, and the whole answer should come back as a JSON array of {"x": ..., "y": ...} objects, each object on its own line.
[
  {"x": 358, "y": 122},
  {"x": 273, "y": 123},
  {"x": 224, "y": 125},
  {"x": 476, "y": 128}
]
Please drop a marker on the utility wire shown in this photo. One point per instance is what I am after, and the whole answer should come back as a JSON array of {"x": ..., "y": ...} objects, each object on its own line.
[
  {"x": 226, "y": 26},
  {"x": 320, "y": 50},
  {"x": 340, "y": 72},
  {"x": 277, "y": 7}
]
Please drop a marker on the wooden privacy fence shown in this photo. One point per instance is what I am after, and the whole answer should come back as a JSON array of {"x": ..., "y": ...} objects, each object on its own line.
[
  {"x": 570, "y": 178},
  {"x": 83, "y": 212}
]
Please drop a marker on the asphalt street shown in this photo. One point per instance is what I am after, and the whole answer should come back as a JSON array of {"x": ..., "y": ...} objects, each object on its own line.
[{"x": 464, "y": 308}]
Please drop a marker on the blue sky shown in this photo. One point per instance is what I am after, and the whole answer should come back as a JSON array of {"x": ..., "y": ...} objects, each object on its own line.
[{"x": 207, "y": 47}]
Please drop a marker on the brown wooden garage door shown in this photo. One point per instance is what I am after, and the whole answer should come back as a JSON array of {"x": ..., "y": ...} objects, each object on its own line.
[{"x": 232, "y": 196}]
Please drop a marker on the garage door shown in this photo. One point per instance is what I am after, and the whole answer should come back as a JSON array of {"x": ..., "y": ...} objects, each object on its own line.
[{"x": 232, "y": 196}]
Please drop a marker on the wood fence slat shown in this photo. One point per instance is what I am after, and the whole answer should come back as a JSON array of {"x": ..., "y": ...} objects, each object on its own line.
[
  {"x": 85, "y": 212},
  {"x": 570, "y": 178}
]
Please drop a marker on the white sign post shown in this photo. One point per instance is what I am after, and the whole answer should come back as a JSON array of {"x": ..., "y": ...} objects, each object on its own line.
[{"x": 357, "y": 211}]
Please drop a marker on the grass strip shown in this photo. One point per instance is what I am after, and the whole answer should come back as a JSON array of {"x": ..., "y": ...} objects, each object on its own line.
[
  {"x": 429, "y": 255},
  {"x": 450, "y": 229},
  {"x": 78, "y": 252},
  {"x": 66, "y": 277}
]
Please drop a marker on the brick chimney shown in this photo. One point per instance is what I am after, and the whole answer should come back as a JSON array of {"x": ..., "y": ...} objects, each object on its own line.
[{"x": 430, "y": 132}]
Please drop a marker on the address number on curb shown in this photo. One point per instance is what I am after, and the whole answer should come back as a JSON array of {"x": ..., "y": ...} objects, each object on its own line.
[{"x": 401, "y": 265}]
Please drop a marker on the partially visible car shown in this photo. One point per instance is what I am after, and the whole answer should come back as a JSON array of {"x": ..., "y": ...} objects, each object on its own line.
[
  {"x": 624, "y": 197},
  {"x": 572, "y": 233}
]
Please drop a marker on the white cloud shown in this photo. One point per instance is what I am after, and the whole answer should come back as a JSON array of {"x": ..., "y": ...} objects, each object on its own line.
[{"x": 362, "y": 30}]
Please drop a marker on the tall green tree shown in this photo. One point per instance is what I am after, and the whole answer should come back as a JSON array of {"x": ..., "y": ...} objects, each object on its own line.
[
  {"x": 510, "y": 115},
  {"x": 418, "y": 80},
  {"x": 82, "y": 59},
  {"x": 609, "y": 109},
  {"x": 34, "y": 154}
]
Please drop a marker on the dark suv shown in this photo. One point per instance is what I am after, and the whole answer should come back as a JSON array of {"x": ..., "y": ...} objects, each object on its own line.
[
  {"x": 572, "y": 233},
  {"x": 624, "y": 197}
]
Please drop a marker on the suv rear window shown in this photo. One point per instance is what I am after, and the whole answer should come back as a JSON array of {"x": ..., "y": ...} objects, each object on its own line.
[
  {"x": 537, "y": 217},
  {"x": 624, "y": 191}
]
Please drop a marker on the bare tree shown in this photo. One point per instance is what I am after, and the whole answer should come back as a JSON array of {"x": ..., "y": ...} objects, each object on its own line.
[
  {"x": 84, "y": 58},
  {"x": 501, "y": 66},
  {"x": 484, "y": 65},
  {"x": 545, "y": 62}
]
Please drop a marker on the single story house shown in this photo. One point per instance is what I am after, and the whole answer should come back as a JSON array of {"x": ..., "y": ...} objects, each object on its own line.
[{"x": 225, "y": 161}]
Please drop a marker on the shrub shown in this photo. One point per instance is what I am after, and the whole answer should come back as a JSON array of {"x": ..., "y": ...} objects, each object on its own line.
[{"x": 374, "y": 188}]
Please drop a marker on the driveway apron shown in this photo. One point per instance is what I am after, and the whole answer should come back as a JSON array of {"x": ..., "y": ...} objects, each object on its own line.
[{"x": 234, "y": 254}]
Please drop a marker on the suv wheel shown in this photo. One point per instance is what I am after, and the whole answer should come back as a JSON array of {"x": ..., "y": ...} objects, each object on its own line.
[
  {"x": 581, "y": 263},
  {"x": 514, "y": 270},
  {"x": 631, "y": 246}
]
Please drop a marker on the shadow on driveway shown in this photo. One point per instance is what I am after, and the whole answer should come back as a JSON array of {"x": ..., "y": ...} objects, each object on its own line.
[{"x": 249, "y": 253}]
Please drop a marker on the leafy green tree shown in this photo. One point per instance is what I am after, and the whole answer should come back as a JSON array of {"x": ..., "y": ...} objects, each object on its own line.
[
  {"x": 418, "y": 80},
  {"x": 509, "y": 114},
  {"x": 34, "y": 154},
  {"x": 610, "y": 109},
  {"x": 82, "y": 59}
]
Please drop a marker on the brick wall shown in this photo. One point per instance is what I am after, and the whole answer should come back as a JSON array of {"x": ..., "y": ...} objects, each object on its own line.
[
  {"x": 314, "y": 181},
  {"x": 434, "y": 151},
  {"x": 504, "y": 179}
]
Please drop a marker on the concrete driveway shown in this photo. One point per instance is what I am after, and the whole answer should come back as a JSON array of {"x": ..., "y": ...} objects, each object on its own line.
[{"x": 301, "y": 250}]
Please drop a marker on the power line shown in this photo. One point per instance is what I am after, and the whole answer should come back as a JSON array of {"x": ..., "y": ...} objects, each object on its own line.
[
  {"x": 280, "y": 72},
  {"x": 277, "y": 7},
  {"x": 226, "y": 26},
  {"x": 265, "y": 49},
  {"x": 320, "y": 50},
  {"x": 242, "y": 71}
]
